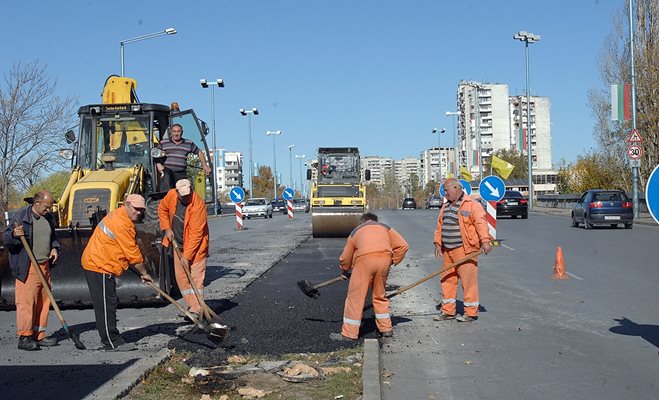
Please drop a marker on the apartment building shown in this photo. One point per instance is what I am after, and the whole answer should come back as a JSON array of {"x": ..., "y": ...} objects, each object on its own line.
[{"x": 380, "y": 167}]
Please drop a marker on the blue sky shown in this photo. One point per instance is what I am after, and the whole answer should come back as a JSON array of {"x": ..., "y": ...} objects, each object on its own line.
[{"x": 374, "y": 74}]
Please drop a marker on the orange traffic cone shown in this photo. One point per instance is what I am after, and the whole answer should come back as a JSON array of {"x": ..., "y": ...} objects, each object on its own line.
[{"x": 559, "y": 265}]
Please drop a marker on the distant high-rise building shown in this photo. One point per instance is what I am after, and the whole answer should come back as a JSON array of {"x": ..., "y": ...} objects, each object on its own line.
[
  {"x": 230, "y": 170},
  {"x": 405, "y": 168},
  {"x": 380, "y": 167}
]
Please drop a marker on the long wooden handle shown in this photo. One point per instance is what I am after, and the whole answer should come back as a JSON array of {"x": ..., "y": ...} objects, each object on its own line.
[
  {"x": 174, "y": 302},
  {"x": 327, "y": 283},
  {"x": 434, "y": 274},
  {"x": 42, "y": 278},
  {"x": 208, "y": 312}
]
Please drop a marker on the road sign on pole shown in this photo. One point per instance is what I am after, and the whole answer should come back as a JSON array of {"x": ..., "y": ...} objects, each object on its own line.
[
  {"x": 237, "y": 194},
  {"x": 288, "y": 193},
  {"x": 634, "y": 152},
  {"x": 492, "y": 188},
  {"x": 652, "y": 194},
  {"x": 635, "y": 137},
  {"x": 466, "y": 186}
]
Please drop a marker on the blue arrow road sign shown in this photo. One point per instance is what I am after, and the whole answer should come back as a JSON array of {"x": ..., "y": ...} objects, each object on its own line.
[
  {"x": 466, "y": 186},
  {"x": 652, "y": 194},
  {"x": 442, "y": 191},
  {"x": 288, "y": 193},
  {"x": 237, "y": 194},
  {"x": 492, "y": 188}
]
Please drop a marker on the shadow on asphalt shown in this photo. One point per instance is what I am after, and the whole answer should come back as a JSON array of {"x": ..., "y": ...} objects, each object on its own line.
[
  {"x": 214, "y": 272},
  {"x": 631, "y": 328},
  {"x": 54, "y": 381},
  {"x": 459, "y": 307}
]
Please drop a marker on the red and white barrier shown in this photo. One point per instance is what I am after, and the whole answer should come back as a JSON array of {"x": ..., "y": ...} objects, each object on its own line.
[
  {"x": 491, "y": 217},
  {"x": 289, "y": 208},
  {"x": 239, "y": 216}
]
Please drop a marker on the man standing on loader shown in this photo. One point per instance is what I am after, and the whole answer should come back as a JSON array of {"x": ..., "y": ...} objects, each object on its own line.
[
  {"x": 32, "y": 302},
  {"x": 182, "y": 214},
  {"x": 177, "y": 149},
  {"x": 111, "y": 249},
  {"x": 371, "y": 249}
]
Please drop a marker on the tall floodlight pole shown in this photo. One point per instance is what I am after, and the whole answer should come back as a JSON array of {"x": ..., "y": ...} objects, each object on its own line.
[
  {"x": 528, "y": 37},
  {"x": 168, "y": 31},
  {"x": 249, "y": 113},
  {"x": 635, "y": 174},
  {"x": 205, "y": 84},
  {"x": 300, "y": 157},
  {"x": 455, "y": 145},
  {"x": 274, "y": 134},
  {"x": 290, "y": 165},
  {"x": 439, "y": 154}
]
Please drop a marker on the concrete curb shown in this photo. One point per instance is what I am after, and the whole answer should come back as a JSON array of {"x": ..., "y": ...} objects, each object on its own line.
[
  {"x": 371, "y": 370},
  {"x": 124, "y": 382}
]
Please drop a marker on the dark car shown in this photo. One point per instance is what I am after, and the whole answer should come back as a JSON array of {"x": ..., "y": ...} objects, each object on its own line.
[
  {"x": 409, "y": 202},
  {"x": 603, "y": 207},
  {"x": 434, "y": 202},
  {"x": 278, "y": 205},
  {"x": 513, "y": 203}
]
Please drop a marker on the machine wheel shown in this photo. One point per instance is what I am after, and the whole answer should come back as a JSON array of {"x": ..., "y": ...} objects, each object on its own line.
[
  {"x": 587, "y": 224},
  {"x": 574, "y": 222},
  {"x": 270, "y": 215},
  {"x": 629, "y": 225},
  {"x": 614, "y": 225},
  {"x": 525, "y": 215}
]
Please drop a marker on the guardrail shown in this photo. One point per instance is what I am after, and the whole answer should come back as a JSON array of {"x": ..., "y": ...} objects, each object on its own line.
[{"x": 567, "y": 201}]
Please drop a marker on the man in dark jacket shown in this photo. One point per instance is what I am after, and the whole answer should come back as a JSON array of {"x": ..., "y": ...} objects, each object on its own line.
[{"x": 32, "y": 302}]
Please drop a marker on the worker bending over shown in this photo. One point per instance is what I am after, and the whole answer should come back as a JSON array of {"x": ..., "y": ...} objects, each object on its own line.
[
  {"x": 371, "y": 249},
  {"x": 182, "y": 214}
]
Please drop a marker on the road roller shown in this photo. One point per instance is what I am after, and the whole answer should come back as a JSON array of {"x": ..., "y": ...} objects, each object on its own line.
[
  {"x": 114, "y": 154},
  {"x": 338, "y": 191}
]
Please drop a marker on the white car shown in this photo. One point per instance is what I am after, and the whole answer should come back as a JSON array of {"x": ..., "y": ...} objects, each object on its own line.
[{"x": 257, "y": 207}]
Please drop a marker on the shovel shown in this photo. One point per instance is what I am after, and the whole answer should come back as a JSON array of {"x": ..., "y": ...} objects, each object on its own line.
[
  {"x": 207, "y": 312},
  {"x": 215, "y": 329},
  {"x": 312, "y": 290},
  {"x": 76, "y": 340}
]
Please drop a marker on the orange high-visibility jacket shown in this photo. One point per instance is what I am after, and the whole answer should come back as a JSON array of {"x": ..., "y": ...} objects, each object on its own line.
[
  {"x": 373, "y": 237},
  {"x": 473, "y": 225},
  {"x": 195, "y": 225},
  {"x": 112, "y": 247}
]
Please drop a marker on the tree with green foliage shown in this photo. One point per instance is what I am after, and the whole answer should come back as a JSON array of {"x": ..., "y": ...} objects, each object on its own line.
[
  {"x": 592, "y": 171},
  {"x": 519, "y": 160}
]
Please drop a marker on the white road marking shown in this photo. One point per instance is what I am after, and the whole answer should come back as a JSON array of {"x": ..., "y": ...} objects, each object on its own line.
[{"x": 574, "y": 276}]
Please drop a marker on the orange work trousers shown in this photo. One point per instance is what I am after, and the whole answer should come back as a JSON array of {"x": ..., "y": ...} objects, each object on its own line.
[
  {"x": 467, "y": 273},
  {"x": 32, "y": 304},
  {"x": 369, "y": 271},
  {"x": 198, "y": 273}
]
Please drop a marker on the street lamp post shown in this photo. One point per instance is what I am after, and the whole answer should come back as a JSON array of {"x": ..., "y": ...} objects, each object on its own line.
[
  {"x": 290, "y": 165},
  {"x": 168, "y": 31},
  {"x": 528, "y": 37},
  {"x": 274, "y": 134},
  {"x": 205, "y": 84},
  {"x": 300, "y": 157},
  {"x": 439, "y": 154},
  {"x": 455, "y": 145},
  {"x": 249, "y": 113}
]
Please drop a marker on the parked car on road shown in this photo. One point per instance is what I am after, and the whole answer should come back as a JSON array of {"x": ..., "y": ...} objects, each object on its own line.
[
  {"x": 257, "y": 207},
  {"x": 434, "y": 202},
  {"x": 301, "y": 205},
  {"x": 603, "y": 207},
  {"x": 278, "y": 205},
  {"x": 409, "y": 202},
  {"x": 513, "y": 203}
]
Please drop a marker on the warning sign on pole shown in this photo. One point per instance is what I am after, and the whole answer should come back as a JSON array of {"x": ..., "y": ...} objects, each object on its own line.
[{"x": 635, "y": 137}]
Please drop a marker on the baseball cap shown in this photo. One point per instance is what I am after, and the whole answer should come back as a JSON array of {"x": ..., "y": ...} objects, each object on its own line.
[
  {"x": 184, "y": 187},
  {"x": 136, "y": 200}
]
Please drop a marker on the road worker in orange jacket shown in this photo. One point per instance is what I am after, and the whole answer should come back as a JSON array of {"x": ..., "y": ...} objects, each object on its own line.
[
  {"x": 112, "y": 248},
  {"x": 461, "y": 230},
  {"x": 371, "y": 249},
  {"x": 182, "y": 214}
]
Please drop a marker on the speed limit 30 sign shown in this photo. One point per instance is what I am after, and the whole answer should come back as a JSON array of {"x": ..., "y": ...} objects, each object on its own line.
[{"x": 634, "y": 152}]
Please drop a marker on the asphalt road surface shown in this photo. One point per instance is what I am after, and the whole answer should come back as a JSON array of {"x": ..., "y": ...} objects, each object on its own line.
[{"x": 594, "y": 336}]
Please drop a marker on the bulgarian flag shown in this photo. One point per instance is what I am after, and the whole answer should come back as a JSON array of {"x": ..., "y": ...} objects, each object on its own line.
[{"x": 621, "y": 102}]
